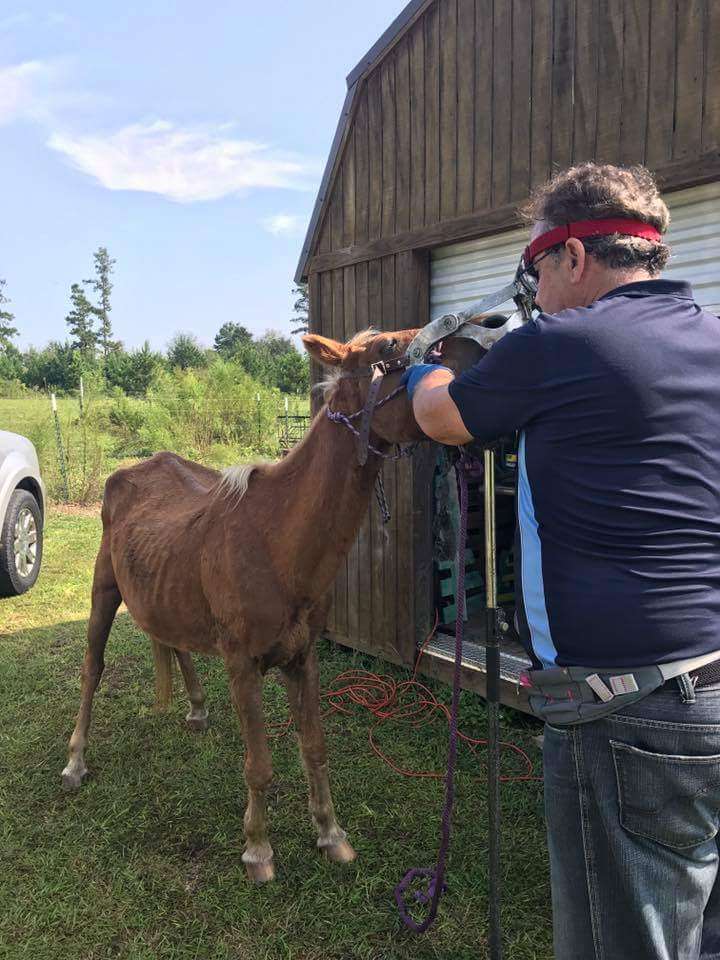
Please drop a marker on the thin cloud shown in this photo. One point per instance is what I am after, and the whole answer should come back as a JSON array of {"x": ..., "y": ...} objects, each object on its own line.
[
  {"x": 283, "y": 225},
  {"x": 185, "y": 164},
  {"x": 26, "y": 91},
  {"x": 37, "y": 91}
]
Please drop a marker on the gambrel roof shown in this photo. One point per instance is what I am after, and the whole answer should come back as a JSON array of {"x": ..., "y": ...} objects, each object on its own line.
[{"x": 377, "y": 51}]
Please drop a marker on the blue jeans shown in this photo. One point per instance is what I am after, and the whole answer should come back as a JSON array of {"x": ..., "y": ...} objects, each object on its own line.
[{"x": 632, "y": 803}]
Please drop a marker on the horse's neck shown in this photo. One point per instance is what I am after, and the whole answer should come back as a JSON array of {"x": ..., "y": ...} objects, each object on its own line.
[{"x": 324, "y": 495}]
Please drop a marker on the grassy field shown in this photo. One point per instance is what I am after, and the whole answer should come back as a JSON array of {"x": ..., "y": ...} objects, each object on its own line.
[
  {"x": 143, "y": 863},
  {"x": 26, "y": 414}
]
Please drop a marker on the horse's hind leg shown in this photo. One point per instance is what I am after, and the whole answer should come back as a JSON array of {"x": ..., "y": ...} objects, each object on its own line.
[
  {"x": 105, "y": 601},
  {"x": 197, "y": 718}
]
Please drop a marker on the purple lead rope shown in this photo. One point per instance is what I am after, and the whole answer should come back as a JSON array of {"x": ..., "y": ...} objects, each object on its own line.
[{"x": 436, "y": 877}]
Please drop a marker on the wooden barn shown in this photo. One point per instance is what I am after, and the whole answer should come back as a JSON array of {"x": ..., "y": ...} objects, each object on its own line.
[{"x": 449, "y": 120}]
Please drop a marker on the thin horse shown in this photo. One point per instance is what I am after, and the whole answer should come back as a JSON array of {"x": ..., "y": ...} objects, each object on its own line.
[{"x": 239, "y": 564}]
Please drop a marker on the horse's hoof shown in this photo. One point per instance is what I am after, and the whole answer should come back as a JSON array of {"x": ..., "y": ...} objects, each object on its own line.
[
  {"x": 72, "y": 779},
  {"x": 198, "y": 722},
  {"x": 260, "y": 872},
  {"x": 339, "y": 852}
]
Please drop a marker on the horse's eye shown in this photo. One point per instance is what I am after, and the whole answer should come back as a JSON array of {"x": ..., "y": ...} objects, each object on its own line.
[{"x": 389, "y": 347}]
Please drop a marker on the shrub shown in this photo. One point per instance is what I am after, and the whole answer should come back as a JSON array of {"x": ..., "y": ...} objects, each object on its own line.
[
  {"x": 11, "y": 363},
  {"x": 132, "y": 372},
  {"x": 12, "y": 389},
  {"x": 195, "y": 413}
]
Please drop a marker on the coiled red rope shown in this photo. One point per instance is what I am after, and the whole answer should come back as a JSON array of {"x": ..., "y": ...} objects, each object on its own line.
[{"x": 406, "y": 702}]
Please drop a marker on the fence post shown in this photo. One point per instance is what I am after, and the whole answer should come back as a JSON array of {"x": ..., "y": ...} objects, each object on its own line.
[
  {"x": 61, "y": 451},
  {"x": 84, "y": 437},
  {"x": 259, "y": 425}
]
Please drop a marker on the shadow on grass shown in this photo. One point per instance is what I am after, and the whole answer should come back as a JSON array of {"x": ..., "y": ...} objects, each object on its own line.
[{"x": 144, "y": 861}]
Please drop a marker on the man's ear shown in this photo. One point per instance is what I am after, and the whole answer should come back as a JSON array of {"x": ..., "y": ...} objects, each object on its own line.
[
  {"x": 577, "y": 254},
  {"x": 326, "y": 351}
]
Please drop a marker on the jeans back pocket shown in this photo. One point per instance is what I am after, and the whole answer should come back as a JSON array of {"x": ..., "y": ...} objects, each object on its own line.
[{"x": 674, "y": 800}]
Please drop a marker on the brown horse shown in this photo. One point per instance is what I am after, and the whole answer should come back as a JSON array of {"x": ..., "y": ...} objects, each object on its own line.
[{"x": 239, "y": 564}]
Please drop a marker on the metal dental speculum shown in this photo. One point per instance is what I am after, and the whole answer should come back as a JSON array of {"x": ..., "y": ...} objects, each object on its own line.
[{"x": 488, "y": 332}]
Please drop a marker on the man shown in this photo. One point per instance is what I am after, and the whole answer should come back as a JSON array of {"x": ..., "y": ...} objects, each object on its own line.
[{"x": 615, "y": 389}]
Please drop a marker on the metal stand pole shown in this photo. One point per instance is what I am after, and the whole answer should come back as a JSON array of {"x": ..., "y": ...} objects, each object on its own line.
[{"x": 492, "y": 650}]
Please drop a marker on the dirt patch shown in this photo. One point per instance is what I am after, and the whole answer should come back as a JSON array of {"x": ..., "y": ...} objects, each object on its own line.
[
  {"x": 76, "y": 509},
  {"x": 117, "y": 675},
  {"x": 196, "y": 853}
]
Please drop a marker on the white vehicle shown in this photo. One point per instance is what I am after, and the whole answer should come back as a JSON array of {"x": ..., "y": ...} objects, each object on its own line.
[{"x": 22, "y": 507}]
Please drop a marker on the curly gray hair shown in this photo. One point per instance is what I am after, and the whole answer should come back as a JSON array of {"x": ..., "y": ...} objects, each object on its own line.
[{"x": 592, "y": 191}]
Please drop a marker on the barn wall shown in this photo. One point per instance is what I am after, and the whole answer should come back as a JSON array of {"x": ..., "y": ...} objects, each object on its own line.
[
  {"x": 376, "y": 592},
  {"x": 445, "y": 126}
]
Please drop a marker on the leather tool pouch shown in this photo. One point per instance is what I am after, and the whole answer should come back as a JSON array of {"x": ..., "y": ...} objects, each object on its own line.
[{"x": 562, "y": 695}]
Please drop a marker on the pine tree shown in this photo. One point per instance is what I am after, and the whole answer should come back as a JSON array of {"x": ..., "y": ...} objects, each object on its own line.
[
  {"x": 80, "y": 322},
  {"x": 229, "y": 337},
  {"x": 102, "y": 285},
  {"x": 184, "y": 351},
  {"x": 7, "y": 331},
  {"x": 301, "y": 308}
]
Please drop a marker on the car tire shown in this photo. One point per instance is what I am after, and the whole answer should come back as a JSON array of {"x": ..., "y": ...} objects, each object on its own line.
[{"x": 21, "y": 543}]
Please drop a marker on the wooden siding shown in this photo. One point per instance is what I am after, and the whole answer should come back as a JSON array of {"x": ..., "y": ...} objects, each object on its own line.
[
  {"x": 474, "y": 104},
  {"x": 480, "y": 100},
  {"x": 381, "y": 596}
]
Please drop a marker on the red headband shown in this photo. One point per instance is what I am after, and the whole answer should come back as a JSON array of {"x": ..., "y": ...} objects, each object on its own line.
[{"x": 589, "y": 228}]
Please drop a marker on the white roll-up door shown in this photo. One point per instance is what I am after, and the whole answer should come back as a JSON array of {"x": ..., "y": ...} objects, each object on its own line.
[{"x": 464, "y": 272}]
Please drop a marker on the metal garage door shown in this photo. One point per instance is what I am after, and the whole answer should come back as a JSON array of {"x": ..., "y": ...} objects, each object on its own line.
[{"x": 464, "y": 272}]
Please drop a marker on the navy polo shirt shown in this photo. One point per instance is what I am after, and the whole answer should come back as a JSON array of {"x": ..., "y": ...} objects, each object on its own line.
[{"x": 618, "y": 408}]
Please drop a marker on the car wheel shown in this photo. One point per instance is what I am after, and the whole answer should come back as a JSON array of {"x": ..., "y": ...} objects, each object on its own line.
[{"x": 20, "y": 544}]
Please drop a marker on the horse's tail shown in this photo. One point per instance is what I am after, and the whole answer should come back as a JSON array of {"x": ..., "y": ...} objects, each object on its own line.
[{"x": 163, "y": 658}]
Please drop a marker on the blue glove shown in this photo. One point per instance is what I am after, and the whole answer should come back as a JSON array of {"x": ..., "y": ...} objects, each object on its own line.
[{"x": 414, "y": 374}]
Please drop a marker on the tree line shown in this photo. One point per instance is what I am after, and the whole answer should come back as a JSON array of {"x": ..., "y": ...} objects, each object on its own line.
[{"x": 92, "y": 352}]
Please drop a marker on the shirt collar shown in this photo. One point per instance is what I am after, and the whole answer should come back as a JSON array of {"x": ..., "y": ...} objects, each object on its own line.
[{"x": 646, "y": 288}]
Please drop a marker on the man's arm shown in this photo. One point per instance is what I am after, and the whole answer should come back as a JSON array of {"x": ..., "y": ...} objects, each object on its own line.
[
  {"x": 435, "y": 411},
  {"x": 515, "y": 382}
]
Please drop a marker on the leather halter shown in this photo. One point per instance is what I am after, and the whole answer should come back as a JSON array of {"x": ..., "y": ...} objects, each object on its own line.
[{"x": 376, "y": 372}]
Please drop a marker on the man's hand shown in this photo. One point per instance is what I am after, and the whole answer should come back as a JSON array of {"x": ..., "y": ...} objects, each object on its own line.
[{"x": 436, "y": 414}]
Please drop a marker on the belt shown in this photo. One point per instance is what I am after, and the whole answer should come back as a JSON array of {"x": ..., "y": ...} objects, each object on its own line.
[{"x": 706, "y": 676}]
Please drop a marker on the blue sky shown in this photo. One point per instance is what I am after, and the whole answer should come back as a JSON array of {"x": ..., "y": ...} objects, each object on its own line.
[{"x": 188, "y": 138}]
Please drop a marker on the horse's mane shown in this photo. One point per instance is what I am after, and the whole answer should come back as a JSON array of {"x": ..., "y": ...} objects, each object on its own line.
[{"x": 234, "y": 480}]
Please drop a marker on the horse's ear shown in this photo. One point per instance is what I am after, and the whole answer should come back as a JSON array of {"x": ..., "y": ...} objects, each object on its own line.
[{"x": 326, "y": 351}]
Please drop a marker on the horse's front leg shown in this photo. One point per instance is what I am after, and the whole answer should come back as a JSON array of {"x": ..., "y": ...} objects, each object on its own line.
[
  {"x": 246, "y": 690},
  {"x": 303, "y": 690}
]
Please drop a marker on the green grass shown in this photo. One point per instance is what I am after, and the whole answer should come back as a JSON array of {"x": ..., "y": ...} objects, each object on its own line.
[
  {"x": 24, "y": 414},
  {"x": 143, "y": 863}
]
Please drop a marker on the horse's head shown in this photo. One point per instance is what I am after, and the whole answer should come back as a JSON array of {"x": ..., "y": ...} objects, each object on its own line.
[{"x": 351, "y": 374}]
